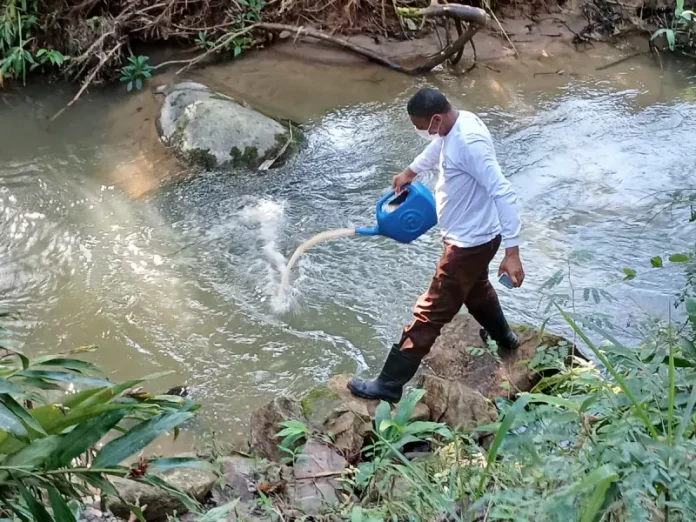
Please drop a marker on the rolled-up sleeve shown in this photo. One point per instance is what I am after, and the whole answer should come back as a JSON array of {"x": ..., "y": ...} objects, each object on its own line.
[{"x": 484, "y": 168}]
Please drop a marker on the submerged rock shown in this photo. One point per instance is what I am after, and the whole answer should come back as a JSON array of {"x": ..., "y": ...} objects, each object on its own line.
[
  {"x": 211, "y": 130},
  {"x": 460, "y": 355},
  {"x": 160, "y": 504}
]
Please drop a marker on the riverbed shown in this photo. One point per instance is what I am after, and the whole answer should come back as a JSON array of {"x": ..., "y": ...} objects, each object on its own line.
[{"x": 182, "y": 277}]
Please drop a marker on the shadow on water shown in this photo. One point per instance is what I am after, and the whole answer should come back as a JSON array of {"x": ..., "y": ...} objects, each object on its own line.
[{"x": 183, "y": 278}]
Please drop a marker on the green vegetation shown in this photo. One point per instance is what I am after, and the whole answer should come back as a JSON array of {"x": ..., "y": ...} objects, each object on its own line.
[
  {"x": 136, "y": 71},
  {"x": 18, "y": 53},
  {"x": 680, "y": 31},
  {"x": 606, "y": 441},
  {"x": 55, "y": 414}
]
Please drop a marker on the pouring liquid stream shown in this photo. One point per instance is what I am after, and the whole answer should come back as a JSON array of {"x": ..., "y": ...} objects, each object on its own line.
[{"x": 319, "y": 238}]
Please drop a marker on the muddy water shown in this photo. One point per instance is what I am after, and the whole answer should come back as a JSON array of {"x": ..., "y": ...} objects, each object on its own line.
[{"x": 182, "y": 278}]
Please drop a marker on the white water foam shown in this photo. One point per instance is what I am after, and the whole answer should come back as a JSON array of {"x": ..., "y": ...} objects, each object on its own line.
[{"x": 269, "y": 214}]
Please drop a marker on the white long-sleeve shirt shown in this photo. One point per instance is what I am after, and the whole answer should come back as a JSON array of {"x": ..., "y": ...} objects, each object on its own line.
[{"x": 475, "y": 201}]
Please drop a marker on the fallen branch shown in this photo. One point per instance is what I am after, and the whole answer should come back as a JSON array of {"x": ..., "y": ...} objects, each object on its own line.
[
  {"x": 620, "y": 61},
  {"x": 465, "y": 13},
  {"x": 89, "y": 79},
  {"x": 375, "y": 57},
  {"x": 269, "y": 162}
]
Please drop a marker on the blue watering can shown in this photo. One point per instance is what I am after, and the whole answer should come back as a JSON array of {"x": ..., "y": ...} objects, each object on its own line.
[{"x": 404, "y": 217}]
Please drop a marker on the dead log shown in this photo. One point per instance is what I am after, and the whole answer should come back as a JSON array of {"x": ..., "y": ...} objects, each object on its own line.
[{"x": 473, "y": 16}]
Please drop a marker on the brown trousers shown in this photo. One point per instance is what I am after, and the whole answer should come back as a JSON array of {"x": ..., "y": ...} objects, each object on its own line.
[{"x": 461, "y": 278}]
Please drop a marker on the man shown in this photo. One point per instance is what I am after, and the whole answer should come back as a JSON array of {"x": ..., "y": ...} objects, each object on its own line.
[{"x": 476, "y": 207}]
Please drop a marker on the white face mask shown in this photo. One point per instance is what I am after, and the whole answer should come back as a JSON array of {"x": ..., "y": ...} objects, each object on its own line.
[{"x": 425, "y": 133}]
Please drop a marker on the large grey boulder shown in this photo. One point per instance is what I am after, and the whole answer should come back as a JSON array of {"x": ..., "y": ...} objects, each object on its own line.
[{"x": 211, "y": 130}]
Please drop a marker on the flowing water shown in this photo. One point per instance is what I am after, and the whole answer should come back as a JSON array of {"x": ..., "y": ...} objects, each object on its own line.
[{"x": 184, "y": 277}]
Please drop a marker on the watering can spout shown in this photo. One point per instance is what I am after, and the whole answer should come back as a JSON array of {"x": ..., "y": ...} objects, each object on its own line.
[{"x": 367, "y": 231}]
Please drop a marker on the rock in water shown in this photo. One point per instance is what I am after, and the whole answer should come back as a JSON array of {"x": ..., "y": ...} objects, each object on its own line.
[
  {"x": 211, "y": 130},
  {"x": 460, "y": 355}
]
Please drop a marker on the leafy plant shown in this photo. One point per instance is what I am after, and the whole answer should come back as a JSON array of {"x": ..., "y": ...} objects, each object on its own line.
[
  {"x": 680, "y": 33},
  {"x": 52, "y": 57},
  {"x": 293, "y": 432},
  {"x": 49, "y": 449},
  {"x": 136, "y": 72},
  {"x": 202, "y": 41}
]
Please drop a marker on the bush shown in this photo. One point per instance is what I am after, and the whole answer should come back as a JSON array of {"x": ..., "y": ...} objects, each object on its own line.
[{"x": 54, "y": 413}]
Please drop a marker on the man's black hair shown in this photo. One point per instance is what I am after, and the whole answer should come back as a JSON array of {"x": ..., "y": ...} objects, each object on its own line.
[{"x": 428, "y": 102}]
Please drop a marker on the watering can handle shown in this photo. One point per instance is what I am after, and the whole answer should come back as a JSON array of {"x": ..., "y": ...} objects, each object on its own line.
[{"x": 386, "y": 198}]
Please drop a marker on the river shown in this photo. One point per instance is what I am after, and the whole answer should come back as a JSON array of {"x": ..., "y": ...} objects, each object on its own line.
[{"x": 182, "y": 278}]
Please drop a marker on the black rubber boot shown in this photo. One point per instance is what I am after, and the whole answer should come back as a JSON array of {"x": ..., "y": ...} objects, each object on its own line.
[
  {"x": 398, "y": 369},
  {"x": 496, "y": 327}
]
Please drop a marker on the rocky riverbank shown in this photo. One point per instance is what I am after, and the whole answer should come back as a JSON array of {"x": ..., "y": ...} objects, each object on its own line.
[{"x": 305, "y": 456}]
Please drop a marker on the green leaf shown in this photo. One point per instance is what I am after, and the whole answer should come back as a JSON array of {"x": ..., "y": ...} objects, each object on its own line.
[
  {"x": 64, "y": 377},
  {"x": 554, "y": 401},
  {"x": 37, "y": 509},
  {"x": 656, "y": 262},
  {"x": 382, "y": 413},
  {"x": 640, "y": 412},
  {"x": 9, "y": 387},
  {"x": 137, "y": 438},
  {"x": 84, "y": 436},
  {"x": 68, "y": 364},
  {"x": 23, "y": 415},
  {"x": 99, "y": 481},
  {"x": 603, "y": 477},
  {"x": 510, "y": 416},
  {"x": 629, "y": 274},
  {"x": 237, "y": 50},
  {"x": 139, "y": 84},
  {"x": 686, "y": 415},
  {"x": 61, "y": 511},
  {"x": 405, "y": 408},
  {"x": 10, "y": 423},
  {"x": 187, "y": 501},
  {"x": 691, "y": 312},
  {"x": 129, "y": 87},
  {"x": 678, "y": 258}
]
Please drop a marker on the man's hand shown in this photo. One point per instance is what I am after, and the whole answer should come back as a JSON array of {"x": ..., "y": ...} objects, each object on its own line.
[
  {"x": 512, "y": 265},
  {"x": 406, "y": 177}
]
